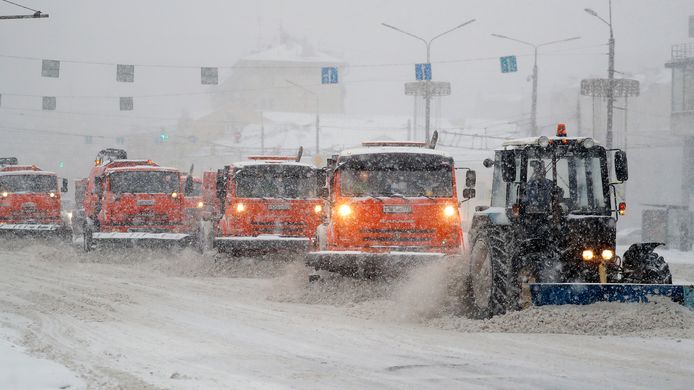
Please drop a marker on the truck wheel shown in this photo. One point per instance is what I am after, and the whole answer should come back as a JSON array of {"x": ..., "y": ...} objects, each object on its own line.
[{"x": 491, "y": 288}]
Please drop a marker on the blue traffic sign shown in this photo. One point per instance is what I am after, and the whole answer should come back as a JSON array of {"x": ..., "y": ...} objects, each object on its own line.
[
  {"x": 508, "y": 64},
  {"x": 422, "y": 71},
  {"x": 328, "y": 75}
]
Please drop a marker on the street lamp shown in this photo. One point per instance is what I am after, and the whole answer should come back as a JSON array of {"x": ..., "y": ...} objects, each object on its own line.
[
  {"x": 427, "y": 94},
  {"x": 36, "y": 15},
  {"x": 533, "y": 112},
  {"x": 610, "y": 75},
  {"x": 317, "y": 111}
]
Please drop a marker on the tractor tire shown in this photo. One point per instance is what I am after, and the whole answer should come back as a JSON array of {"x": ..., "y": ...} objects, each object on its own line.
[
  {"x": 493, "y": 286},
  {"x": 651, "y": 269}
]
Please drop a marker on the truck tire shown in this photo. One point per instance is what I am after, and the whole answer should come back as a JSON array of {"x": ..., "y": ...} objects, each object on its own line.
[{"x": 492, "y": 288}]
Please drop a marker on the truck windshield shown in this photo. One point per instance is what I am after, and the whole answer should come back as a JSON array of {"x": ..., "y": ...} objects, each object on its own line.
[
  {"x": 276, "y": 181},
  {"x": 28, "y": 183},
  {"x": 409, "y": 175},
  {"x": 575, "y": 178},
  {"x": 144, "y": 182}
]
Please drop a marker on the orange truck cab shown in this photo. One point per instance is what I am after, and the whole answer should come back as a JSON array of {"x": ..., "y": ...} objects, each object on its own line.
[
  {"x": 133, "y": 201},
  {"x": 30, "y": 201},
  {"x": 269, "y": 204},
  {"x": 390, "y": 204}
]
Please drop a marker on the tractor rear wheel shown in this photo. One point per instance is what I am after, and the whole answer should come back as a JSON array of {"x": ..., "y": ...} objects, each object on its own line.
[{"x": 492, "y": 288}]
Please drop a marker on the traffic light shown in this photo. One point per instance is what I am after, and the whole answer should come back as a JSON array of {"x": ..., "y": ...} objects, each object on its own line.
[
  {"x": 163, "y": 136},
  {"x": 61, "y": 164}
]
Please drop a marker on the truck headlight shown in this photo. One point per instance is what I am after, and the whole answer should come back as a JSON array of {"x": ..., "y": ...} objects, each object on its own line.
[
  {"x": 4, "y": 194},
  {"x": 240, "y": 207},
  {"x": 174, "y": 195},
  {"x": 449, "y": 211},
  {"x": 588, "y": 255},
  {"x": 344, "y": 210},
  {"x": 607, "y": 254},
  {"x": 200, "y": 204},
  {"x": 317, "y": 208}
]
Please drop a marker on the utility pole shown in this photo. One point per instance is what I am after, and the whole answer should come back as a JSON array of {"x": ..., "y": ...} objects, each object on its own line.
[
  {"x": 534, "y": 131},
  {"x": 610, "y": 75},
  {"x": 427, "y": 92}
]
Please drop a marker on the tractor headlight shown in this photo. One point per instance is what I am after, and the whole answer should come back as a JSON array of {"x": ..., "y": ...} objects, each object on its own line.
[
  {"x": 317, "y": 209},
  {"x": 543, "y": 141},
  {"x": 449, "y": 211},
  {"x": 240, "y": 207},
  {"x": 588, "y": 255},
  {"x": 588, "y": 143},
  {"x": 200, "y": 204},
  {"x": 344, "y": 210},
  {"x": 607, "y": 254}
]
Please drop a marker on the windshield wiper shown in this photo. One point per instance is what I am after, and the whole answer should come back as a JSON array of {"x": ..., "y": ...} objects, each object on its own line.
[
  {"x": 394, "y": 195},
  {"x": 369, "y": 196},
  {"x": 425, "y": 195}
]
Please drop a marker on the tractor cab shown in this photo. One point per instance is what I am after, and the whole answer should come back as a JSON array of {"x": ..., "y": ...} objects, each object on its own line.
[{"x": 553, "y": 219}]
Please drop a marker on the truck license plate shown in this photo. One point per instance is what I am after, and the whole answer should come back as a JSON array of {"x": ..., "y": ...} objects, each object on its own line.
[
  {"x": 145, "y": 202},
  {"x": 278, "y": 206},
  {"x": 397, "y": 209}
]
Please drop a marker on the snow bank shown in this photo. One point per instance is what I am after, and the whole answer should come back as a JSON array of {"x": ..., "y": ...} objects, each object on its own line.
[{"x": 19, "y": 370}]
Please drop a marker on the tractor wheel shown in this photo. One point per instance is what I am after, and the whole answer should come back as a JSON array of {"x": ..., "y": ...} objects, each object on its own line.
[
  {"x": 492, "y": 288},
  {"x": 651, "y": 269}
]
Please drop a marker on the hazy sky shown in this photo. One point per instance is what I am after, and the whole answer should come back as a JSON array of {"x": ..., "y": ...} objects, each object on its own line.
[{"x": 217, "y": 33}]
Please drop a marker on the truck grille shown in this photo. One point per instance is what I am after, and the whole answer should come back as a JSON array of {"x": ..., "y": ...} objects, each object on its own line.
[
  {"x": 394, "y": 235},
  {"x": 286, "y": 228}
]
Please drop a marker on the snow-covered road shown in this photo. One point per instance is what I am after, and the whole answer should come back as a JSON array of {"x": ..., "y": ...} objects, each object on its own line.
[{"x": 185, "y": 321}]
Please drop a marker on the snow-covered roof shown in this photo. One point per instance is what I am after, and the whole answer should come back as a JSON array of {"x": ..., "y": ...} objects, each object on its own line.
[
  {"x": 251, "y": 163},
  {"x": 292, "y": 51},
  {"x": 140, "y": 168},
  {"x": 535, "y": 140},
  {"x": 12, "y": 173},
  {"x": 393, "y": 150}
]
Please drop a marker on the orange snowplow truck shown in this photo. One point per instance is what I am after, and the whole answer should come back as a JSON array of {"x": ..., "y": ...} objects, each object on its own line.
[
  {"x": 391, "y": 205},
  {"x": 30, "y": 201},
  {"x": 133, "y": 202},
  {"x": 268, "y": 204}
]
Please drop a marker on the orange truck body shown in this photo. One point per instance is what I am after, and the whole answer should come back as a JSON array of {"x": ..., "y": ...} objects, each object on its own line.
[
  {"x": 389, "y": 206},
  {"x": 131, "y": 201},
  {"x": 30, "y": 201},
  {"x": 270, "y": 204}
]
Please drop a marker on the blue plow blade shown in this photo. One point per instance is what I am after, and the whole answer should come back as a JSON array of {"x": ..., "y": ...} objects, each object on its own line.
[{"x": 587, "y": 293}]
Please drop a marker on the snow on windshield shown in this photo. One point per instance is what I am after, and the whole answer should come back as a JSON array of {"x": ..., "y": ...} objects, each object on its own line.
[
  {"x": 28, "y": 183},
  {"x": 145, "y": 182},
  {"x": 275, "y": 181}
]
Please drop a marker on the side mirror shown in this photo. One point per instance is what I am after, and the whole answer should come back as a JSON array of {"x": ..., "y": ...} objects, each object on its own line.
[
  {"x": 508, "y": 166},
  {"x": 219, "y": 185},
  {"x": 470, "y": 179},
  {"x": 621, "y": 168},
  {"x": 63, "y": 188},
  {"x": 323, "y": 192},
  {"x": 321, "y": 177},
  {"x": 469, "y": 193},
  {"x": 97, "y": 186},
  {"x": 488, "y": 163},
  {"x": 188, "y": 188}
]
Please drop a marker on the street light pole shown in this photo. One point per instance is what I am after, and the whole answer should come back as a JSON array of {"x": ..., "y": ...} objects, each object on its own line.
[
  {"x": 610, "y": 75},
  {"x": 427, "y": 92},
  {"x": 533, "y": 112},
  {"x": 317, "y": 112}
]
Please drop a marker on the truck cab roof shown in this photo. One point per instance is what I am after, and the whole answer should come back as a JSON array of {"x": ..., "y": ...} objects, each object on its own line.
[
  {"x": 12, "y": 168},
  {"x": 392, "y": 150}
]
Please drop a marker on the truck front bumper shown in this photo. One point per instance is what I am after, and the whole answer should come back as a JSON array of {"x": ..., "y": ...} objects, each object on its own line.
[
  {"x": 261, "y": 244},
  {"x": 141, "y": 238},
  {"x": 356, "y": 263}
]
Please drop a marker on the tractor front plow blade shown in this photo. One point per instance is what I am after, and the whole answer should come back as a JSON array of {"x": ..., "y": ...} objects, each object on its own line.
[{"x": 587, "y": 293}]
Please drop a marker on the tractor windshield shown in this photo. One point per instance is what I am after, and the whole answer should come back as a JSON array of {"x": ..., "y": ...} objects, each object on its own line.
[
  {"x": 145, "y": 182},
  {"x": 408, "y": 175},
  {"x": 28, "y": 183},
  {"x": 276, "y": 181},
  {"x": 574, "y": 179}
]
